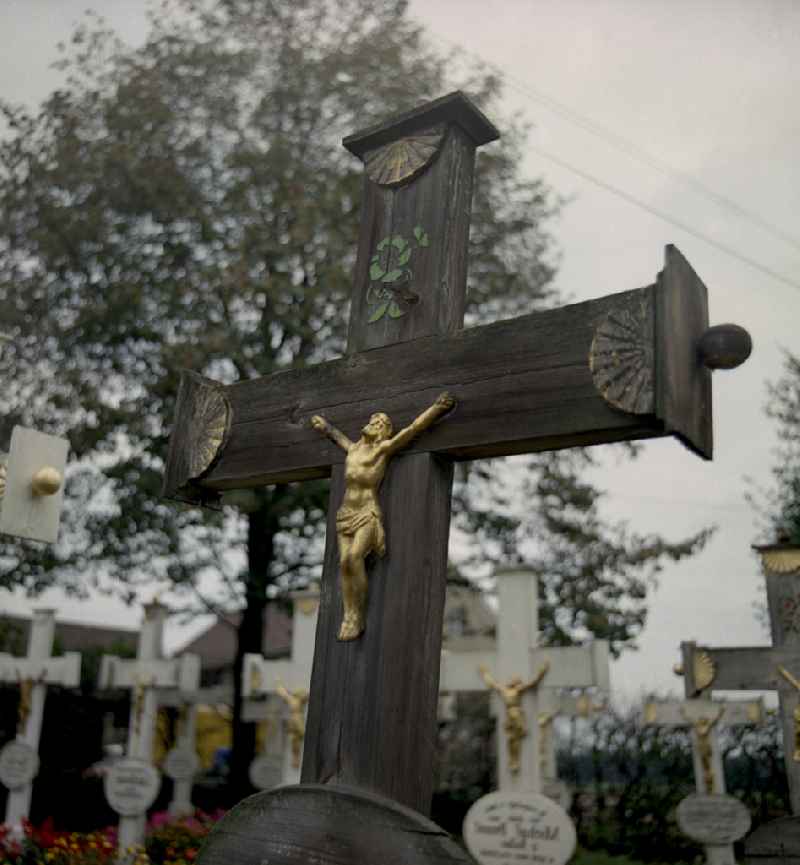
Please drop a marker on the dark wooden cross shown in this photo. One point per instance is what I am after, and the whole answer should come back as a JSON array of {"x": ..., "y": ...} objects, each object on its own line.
[
  {"x": 762, "y": 668},
  {"x": 629, "y": 366}
]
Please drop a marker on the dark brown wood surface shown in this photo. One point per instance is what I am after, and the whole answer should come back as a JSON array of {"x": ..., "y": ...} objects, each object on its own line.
[
  {"x": 372, "y": 714},
  {"x": 683, "y": 383},
  {"x": 521, "y": 385},
  {"x": 327, "y": 826},
  {"x": 774, "y": 843},
  {"x": 441, "y": 205}
]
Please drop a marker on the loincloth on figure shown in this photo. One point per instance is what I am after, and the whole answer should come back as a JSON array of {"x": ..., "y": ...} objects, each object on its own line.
[{"x": 351, "y": 520}]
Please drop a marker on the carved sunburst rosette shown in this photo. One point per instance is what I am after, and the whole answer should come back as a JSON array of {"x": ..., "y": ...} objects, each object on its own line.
[
  {"x": 401, "y": 161},
  {"x": 704, "y": 670},
  {"x": 209, "y": 431},
  {"x": 621, "y": 357},
  {"x": 781, "y": 561}
]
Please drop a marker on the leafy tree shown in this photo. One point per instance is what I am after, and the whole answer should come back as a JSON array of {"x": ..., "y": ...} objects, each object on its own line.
[
  {"x": 188, "y": 204},
  {"x": 780, "y": 505}
]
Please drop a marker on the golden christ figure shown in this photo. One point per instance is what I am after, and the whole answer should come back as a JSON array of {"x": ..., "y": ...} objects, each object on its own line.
[{"x": 359, "y": 521}]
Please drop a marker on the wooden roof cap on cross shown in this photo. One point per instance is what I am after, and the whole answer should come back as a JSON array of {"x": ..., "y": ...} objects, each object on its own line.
[{"x": 631, "y": 365}]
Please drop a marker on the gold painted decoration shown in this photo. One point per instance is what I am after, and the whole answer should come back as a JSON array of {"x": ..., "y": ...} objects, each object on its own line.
[
  {"x": 754, "y": 713},
  {"x": 785, "y": 561},
  {"x": 704, "y": 670},
  {"x": 621, "y": 357},
  {"x": 650, "y": 713},
  {"x": 209, "y": 430},
  {"x": 296, "y": 726},
  {"x": 515, "y": 726},
  {"x": 359, "y": 520},
  {"x": 703, "y": 728},
  {"x": 401, "y": 161},
  {"x": 308, "y": 606}
]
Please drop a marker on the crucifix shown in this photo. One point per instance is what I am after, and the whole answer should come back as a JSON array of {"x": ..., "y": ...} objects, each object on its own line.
[
  {"x": 628, "y": 366},
  {"x": 132, "y": 785},
  {"x": 705, "y": 718},
  {"x": 762, "y": 668},
  {"x": 517, "y": 662},
  {"x": 19, "y": 759},
  {"x": 289, "y": 679}
]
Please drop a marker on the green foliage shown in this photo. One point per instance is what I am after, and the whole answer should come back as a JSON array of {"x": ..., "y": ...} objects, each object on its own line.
[{"x": 780, "y": 505}]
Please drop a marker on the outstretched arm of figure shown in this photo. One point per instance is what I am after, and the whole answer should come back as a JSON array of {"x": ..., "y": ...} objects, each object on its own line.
[
  {"x": 487, "y": 678},
  {"x": 534, "y": 682},
  {"x": 284, "y": 694},
  {"x": 444, "y": 402},
  {"x": 335, "y": 435}
]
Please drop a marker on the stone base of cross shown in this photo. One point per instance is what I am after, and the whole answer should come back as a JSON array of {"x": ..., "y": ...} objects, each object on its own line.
[
  {"x": 19, "y": 759},
  {"x": 31, "y": 485},
  {"x": 132, "y": 784},
  {"x": 628, "y": 366}
]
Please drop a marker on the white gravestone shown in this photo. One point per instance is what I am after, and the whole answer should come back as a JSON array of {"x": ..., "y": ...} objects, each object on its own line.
[
  {"x": 145, "y": 676},
  {"x": 264, "y": 677},
  {"x": 715, "y": 820},
  {"x": 33, "y": 674},
  {"x": 518, "y": 654},
  {"x": 519, "y": 828},
  {"x": 705, "y": 718},
  {"x": 32, "y": 492}
]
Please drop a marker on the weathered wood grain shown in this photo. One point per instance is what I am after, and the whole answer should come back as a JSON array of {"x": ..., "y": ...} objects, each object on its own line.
[
  {"x": 372, "y": 711},
  {"x": 521, "y": 385},
  {"x": 683, "y": 383},
  {"x": 327, "y": 825}
]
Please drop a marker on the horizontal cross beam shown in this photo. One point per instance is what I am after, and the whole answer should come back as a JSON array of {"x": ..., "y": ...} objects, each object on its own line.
[
  {"x": 621, "y": 367},
  {"x": 182, "y": 673},
  {"x": 743, "y": 668},
  {"x": 64, "y": 670}
]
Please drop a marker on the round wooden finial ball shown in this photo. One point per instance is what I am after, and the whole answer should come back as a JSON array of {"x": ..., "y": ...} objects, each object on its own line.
[
  {"x": 46, "y": 482},
  {"x": 725, "y": 346}
]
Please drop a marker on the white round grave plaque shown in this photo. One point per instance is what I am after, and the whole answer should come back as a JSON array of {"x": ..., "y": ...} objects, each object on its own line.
[
  {"x": 713, "y": 819},
  {"x": 266, "y": 771},
  {"x": 181, "y": 764},
  {"x": 514, "y": 828},
  {"x": 131, "y": 787},
  {"x": 19, "y": 764}
]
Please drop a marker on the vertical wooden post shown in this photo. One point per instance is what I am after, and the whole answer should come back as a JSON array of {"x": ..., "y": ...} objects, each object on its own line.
[{"x": 372, "y": 714}]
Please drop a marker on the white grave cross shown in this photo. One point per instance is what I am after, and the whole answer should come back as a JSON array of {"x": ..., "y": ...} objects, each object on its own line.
[
  {"x": 518, "y": 654},
  {"x": 289, "y": 679},
  {"x": 705, "y": 717},
  {"x": 133, "y": 784},
  {"x": 19, "y": 759}
]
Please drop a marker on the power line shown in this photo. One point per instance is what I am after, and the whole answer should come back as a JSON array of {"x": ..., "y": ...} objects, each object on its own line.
[
  {"x": 667, "y": 218},
  {"x": 628, "y": 146}
]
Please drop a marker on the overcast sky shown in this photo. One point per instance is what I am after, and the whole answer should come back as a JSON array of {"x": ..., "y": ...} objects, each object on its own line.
[{"x": 708, "y": 89}]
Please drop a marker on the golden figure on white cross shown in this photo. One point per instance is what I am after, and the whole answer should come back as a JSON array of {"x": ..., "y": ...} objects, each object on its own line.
[
  {"x": 511, "y": 694},
  {"x": 359, "y": 520}
]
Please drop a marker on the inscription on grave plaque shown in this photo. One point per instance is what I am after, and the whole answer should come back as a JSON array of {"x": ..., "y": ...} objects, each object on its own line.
[
  {"x": 716, "y": 819},
  {"x": 19, "y": 764},
  {"x": 131, "y": 787},
  {"x": 514, "y": 828},
  {"x": 181, "y": 764}
]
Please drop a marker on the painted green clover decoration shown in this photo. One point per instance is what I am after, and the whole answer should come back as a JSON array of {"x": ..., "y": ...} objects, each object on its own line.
[{"x": 388, "y": 292}]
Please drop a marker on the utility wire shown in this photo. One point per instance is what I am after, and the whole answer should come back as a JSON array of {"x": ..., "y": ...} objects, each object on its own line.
[
  {"x": 729, "y": 250},
  {"x": 627, "y": 146}
]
